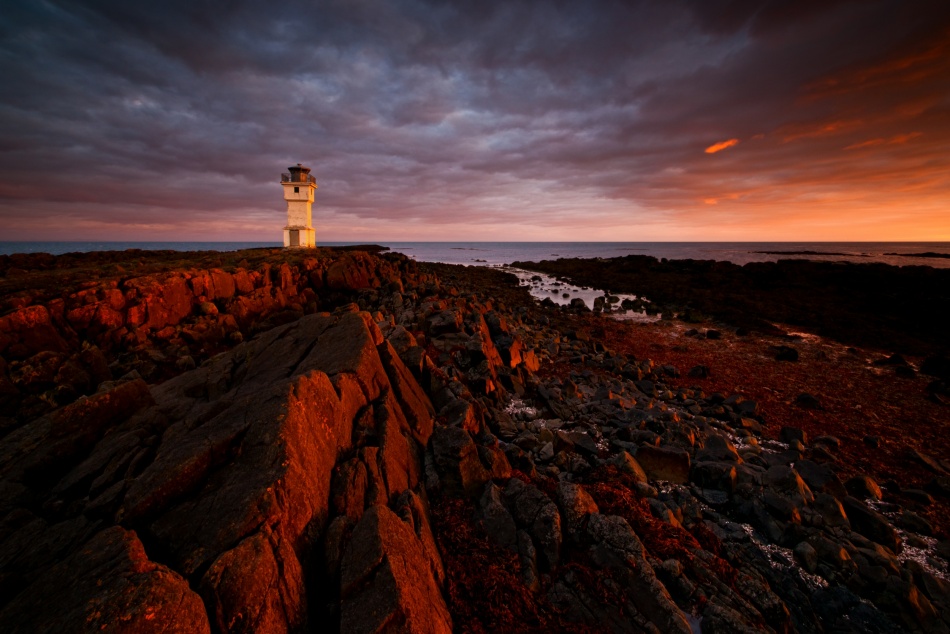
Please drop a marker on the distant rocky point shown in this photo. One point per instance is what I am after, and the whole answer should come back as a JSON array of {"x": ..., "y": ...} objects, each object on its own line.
[
  {"x": 853, "y": 255},
  {"x": 925, "y": 254}
]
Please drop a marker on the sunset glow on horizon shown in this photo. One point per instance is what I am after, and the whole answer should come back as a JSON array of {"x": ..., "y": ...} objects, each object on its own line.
[{"x": 687, "y": 121}]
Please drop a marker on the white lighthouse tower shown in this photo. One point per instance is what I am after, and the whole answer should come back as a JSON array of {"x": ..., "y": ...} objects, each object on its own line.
[{"x": 299, "y": 186}]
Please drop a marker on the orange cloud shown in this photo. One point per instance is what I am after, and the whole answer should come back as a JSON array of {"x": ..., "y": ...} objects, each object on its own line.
[
  {"x": 722, "y": 145},
  {"x": 910, "y": 68},
  {"x": 794, "y": 132},
  {"x": 900, "y": 139}
]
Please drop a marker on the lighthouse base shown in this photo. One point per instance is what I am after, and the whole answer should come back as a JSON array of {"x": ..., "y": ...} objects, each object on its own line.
[{"x": 300, "y": 237}]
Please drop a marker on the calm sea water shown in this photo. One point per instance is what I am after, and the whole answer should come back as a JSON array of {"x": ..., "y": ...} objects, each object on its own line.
[{"x": 498, "y": 253}]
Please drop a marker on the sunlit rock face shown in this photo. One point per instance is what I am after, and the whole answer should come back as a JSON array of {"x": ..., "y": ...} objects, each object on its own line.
[{"x": 225, "y": 473}]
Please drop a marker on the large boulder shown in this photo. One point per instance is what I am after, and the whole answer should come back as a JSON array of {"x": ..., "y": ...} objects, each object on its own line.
[
  {"x": 387, "y": 584},
  {"x": 108, "y": 585},
  {"x": 229, "y": 472},
  {"x": 456, "y": 459},
  {"x": 617, "y": 547},
  {"x": 871, "y": 524},
  {"x": 538, "y": 516},
  {"x": 664, "y": 463}
]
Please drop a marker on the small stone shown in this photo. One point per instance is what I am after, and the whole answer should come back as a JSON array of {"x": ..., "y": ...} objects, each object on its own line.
[
  {"x": 699, "y": 372},
  {"x": 785, "y": 353},
  {"x": 808, "y": 401},
  {"x": 546, "y": 452},
  {"x": 807, "y": 556},
  {"x": 919, "y": 497},
  {"x": 788, "y": 434}
]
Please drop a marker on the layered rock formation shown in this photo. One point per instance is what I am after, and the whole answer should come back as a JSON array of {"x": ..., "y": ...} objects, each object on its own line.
[{"x": 389, "y": 450}]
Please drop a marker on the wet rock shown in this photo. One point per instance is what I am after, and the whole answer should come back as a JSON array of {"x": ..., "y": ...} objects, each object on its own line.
[{"x": 386, "y": 579}]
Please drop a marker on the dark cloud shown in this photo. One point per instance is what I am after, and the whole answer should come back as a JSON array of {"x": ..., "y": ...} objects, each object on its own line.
[{"x": 495, "y": 120}]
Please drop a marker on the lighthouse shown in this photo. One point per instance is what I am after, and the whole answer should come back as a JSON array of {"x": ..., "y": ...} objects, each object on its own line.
[{"x": 298, "y": 186}]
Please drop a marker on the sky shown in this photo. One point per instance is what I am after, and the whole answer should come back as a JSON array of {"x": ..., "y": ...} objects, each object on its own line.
[{"x": 668, "y": 120}]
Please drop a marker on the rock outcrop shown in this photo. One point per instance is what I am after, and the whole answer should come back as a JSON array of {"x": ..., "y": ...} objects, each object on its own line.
[
  {"x": 225, "y": 473},
  {"x": 347, "y": 443}
]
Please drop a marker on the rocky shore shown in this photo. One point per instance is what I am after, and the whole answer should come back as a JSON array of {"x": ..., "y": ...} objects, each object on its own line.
[{"x": 274, "y": 441}]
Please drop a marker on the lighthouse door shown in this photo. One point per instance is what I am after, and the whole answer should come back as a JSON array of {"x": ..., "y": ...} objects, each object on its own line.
[{"x": 294, "y": 238}]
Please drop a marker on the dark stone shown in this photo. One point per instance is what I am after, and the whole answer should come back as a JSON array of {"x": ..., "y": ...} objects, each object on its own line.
[
  {"x": 821, "y": 478},
  {"x": 788, "y": 434},
  {"x": 576, "y": 506},
  {"x": 717, "y": 448},
  {"x": 871, "y": 524},
  {"x": 714, "y": 475},
  {"x": 456, "y": 458},
  {"x": 618, "y": 548},
  {"x": 108, "y": 585},
  {"x": 843, "y": 611},
  {"x": 538, "y": 515},
  {"x": 386, "y": 578},
  {"x": 785, "y": 353},
  {"x": 662, "y": 463},
  {"x": 699, "y": 372},
  {"x": 495, "y": 518},
  {"x": 863, "y": 487},
  {"x": 808, "y": 401},
  {"x": 940, "y": 485},
  {"x": 915, "y": 523}
]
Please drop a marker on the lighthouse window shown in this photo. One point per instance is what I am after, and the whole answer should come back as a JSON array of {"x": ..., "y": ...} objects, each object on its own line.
[{"x": 296, "y": 190}]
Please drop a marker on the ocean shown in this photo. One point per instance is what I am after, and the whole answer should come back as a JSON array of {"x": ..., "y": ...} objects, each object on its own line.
[{"x": 500, "y": 253}]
